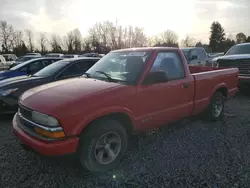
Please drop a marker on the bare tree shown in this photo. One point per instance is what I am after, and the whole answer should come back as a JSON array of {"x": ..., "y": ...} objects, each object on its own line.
[
  {"x": 30, "y": 36},
  {"x": 55, "y": 43},
  {"x": 169, "y": 37},
  {"x": 6, "y": 36},
  {"x": 42, "y": 41},
  {"x": 116, "y": 36},
  {"x": 69, "y": 41},
  {"x": 77, "y": 40},
  {"x": 188, "y": 42},
  {"x": 241, "y": 38},
  {"x": 18, "y": 38}
]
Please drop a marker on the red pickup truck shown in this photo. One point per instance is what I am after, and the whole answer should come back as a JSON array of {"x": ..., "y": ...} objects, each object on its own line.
[{"x": 126, "y": 91}]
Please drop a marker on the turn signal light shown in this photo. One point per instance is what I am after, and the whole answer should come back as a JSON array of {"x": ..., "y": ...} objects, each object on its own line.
[{"x": 48, "y": 134}]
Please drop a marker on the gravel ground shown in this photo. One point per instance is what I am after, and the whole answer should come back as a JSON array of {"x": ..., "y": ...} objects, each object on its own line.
[{"x": 190, "y": 153}]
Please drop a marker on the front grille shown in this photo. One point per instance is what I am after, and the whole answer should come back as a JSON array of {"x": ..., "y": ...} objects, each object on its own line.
[
  {"x": 25, "y": 112},
  {"x": 242, "y": 65}
]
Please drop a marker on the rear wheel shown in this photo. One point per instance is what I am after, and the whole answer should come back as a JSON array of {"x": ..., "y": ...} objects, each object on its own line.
[
  {"x": 215, "y": 110},
  {"x": 102, "y": 145}
]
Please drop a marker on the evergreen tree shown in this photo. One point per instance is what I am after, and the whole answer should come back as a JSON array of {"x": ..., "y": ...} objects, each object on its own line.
[{"x": 217, "y": 37}]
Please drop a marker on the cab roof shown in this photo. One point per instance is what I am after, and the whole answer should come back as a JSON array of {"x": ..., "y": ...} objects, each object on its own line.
[{"x": 146, "y": 49}]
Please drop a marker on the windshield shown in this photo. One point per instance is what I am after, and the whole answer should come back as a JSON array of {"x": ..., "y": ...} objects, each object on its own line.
[
  {"x": 185, "y": 52},
  {"x": 120, "y": 66},
  {"x": 239, "y": 49},
  {"x": 22, "y": 59},
  {"x": 52, "y": 69}
]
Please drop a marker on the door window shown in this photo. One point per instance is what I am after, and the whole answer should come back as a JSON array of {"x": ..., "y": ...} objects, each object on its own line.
[
  {"x": 46, "y": 62},
  {"x": 78, "y": 68},
  {"x": 35, "y": 67},
  {"x": 169, "y": 62}
]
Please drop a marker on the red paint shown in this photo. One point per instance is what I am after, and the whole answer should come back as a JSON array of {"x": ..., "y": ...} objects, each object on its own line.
[{"x": 77, "y": 102}]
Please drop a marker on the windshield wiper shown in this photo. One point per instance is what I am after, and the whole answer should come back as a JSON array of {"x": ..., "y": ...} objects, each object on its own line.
[
  {"x": 107, "y": 75},
  {"x": 88, "y": 75}
]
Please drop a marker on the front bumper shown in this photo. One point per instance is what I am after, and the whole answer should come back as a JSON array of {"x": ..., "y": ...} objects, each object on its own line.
[
  {"x": 8, "y": 105},
  {"x": 48, "y": 148}
]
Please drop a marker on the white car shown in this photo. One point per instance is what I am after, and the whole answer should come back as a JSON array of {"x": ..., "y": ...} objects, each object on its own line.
[
  {"x": 3, "y": 63},
  {"x": 70, "y": 56},
  {"x": 54, "y": 55}
]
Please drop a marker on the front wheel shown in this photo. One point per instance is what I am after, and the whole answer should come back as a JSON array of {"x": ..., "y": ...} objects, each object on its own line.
[
  {"x": 102, "y": 145},
  {"x": 215, "y": 110}
]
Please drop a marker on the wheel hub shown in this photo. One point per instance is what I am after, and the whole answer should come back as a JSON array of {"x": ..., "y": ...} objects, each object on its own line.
[
  {"x": 107, "y": 148},
  {"x": 217, "y": 107}
]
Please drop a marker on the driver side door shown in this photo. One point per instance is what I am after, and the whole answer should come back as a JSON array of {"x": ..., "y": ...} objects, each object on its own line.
[{"x": 160, "y": 103}]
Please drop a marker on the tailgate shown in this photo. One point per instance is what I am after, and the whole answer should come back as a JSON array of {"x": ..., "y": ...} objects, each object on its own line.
[{"x": 206, "y": 84}]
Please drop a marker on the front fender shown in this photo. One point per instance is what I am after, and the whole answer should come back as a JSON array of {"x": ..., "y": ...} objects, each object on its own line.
[{"x": 100, "y": 113}]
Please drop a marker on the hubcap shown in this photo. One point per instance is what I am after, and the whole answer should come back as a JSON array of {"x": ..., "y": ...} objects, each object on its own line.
[
  {"x": 217, "y": 107},
  {"x": 108, "y": 148}
]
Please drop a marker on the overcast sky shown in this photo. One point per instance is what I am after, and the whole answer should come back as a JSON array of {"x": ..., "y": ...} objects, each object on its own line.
[{"x": 192, "y": 17}]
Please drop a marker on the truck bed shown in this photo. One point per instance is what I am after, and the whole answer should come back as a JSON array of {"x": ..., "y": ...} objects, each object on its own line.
[
  {"x": 209, "y": 79},
  {"x": 199, "y": 69}
]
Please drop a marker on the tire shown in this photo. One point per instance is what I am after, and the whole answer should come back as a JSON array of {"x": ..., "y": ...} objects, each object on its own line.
[
  {"x": 96, "y": 135},
  {"x": 214, "y": 113}
]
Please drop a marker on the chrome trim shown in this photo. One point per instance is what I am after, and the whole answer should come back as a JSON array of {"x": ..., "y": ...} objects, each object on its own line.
[{"x": 55, "y": 129}]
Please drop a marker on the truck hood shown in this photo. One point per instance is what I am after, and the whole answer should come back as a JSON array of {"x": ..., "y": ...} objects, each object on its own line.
[
  {"x": 17, "y": 80},
  {"x": 48, "y": 97},
  {"x": 234, "y": 57}
]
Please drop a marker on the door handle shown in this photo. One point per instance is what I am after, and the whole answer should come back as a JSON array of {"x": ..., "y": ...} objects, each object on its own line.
[{"x": 185, "y": 85}]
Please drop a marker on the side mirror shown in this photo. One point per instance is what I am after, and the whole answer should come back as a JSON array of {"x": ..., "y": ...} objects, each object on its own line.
[
  {"x": 194, "y": 57},
  {"x": 155, "y": 77}
]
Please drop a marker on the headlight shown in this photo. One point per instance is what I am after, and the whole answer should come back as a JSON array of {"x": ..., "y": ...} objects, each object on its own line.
[
  {"x": 2, "y": 77},
  {"x": 44, "y": 119},
  {"x": 6, "y": 92}
]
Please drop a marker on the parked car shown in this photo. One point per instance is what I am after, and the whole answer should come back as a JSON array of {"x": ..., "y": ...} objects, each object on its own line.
[
  {"x": 237, "y": 56},
  {"x": 91, "y": 55},
  {"x": 35, "y": 54},
  {"x": 94, "y": 115},
  {"x": 197, "y": 56},
  {"x": 28, "y": 67},
  {"x": 70, "y": 56},
  {"x": 23, "y": 59},
  {"x": 54, "y": 55},
  {"x": 12, "y": 88},
  {"x": 10, "y": 57},
  {"x": 214, "y": 55},
  {"x": 3, "y": 63}
]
